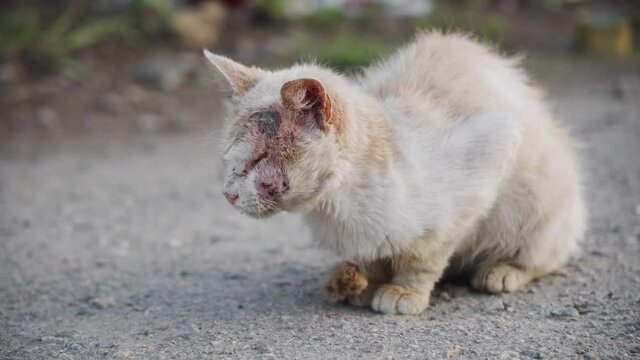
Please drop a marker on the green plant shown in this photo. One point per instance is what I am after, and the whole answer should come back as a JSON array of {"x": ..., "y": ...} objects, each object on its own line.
[
  {"x": 325, "y": 17},
  {"x": 343, "y": 50},
  {"x": 274, "y": 9},
  {"x": 23, "y": 31},
  {"x": 487, "y": 26}
]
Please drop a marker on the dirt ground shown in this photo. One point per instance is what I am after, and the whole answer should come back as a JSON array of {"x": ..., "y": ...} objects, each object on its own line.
[{"x": 115, "y": 242}]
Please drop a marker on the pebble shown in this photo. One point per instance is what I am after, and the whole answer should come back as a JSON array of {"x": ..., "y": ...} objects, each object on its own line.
[
  {"x": 71, "y": 345},
  {"x": 509, "y": 355},
  {"x": 445, "y": 296},
  {"x": 590, "y": 356},
  {"x": 494, "y": 303},
  {"x": 566, "y": 312},
  {"x": 102, "y": 302},
  {"x": 456, "y": 351}
]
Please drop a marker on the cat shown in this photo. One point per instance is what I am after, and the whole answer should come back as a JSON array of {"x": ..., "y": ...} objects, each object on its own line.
[{"x": 441, "y": 158}]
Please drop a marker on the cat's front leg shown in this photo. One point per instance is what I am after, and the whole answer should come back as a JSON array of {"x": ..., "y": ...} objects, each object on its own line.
[
  {"x": 345, "y": 280},
  {"x": 414, "y": 277},
  {"x": 357, "y": 284}
]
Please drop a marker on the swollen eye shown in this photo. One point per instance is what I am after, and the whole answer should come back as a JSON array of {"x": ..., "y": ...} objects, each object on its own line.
[{"x": 268, "y": 122}]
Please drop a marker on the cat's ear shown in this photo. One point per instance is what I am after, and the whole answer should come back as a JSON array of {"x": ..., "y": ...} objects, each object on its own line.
[
  {"x": 237, "y": 77},
  {"x": 309, "y": 97}
]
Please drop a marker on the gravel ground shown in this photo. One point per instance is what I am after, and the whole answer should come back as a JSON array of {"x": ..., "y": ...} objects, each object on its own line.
[{"x": 122, "y": 247}]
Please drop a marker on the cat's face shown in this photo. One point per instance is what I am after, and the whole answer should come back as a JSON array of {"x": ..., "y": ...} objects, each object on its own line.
[{"x": 279, "y": 141}]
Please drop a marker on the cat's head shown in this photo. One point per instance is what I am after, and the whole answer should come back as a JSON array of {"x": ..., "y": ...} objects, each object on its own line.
[{"x": 281, "y": 131}]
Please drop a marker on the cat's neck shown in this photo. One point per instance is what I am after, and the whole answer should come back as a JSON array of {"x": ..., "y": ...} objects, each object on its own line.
[{"x": 368, "y": 149}]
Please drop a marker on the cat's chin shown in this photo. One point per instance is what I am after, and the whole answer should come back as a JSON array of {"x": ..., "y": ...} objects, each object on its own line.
[{"x": 260, "y": 214}]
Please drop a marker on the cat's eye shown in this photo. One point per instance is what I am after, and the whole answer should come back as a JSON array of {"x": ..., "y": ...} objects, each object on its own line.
[{"x": 268, "y": 122}]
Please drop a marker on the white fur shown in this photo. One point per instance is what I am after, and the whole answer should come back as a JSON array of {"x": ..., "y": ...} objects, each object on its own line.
[{"x": 446, "y": 152}]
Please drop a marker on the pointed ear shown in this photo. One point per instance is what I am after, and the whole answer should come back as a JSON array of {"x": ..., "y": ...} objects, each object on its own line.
[
  {"x": 309, "y": 97},
  {"x": 238, "y": 77}
]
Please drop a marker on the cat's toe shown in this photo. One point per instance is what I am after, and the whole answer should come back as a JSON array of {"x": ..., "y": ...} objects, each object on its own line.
[
  {"x": 500, "y": 278},
  {"x": 346, "y": 280},
  {"x": 394, "y": 299}
]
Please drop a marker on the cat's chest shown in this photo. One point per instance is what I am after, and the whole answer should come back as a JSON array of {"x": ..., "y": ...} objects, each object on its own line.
[{"x": 362, "y": 233}]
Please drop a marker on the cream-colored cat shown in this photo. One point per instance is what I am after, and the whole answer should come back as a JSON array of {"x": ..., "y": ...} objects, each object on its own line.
[{"x": 442, "y": 157}]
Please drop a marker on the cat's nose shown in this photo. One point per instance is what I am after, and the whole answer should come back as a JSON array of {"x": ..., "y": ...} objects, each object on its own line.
[{"x": 231, "y": 197}]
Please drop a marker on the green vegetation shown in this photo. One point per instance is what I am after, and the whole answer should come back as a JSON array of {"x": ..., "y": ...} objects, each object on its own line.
[
  {"x": 274, "y": 9},
  {"x": 326, "y": 17},
  {"x": 489, "y": 27},
  {"x": 23, "y": 31},
  {"x": 344, "y": 49}
]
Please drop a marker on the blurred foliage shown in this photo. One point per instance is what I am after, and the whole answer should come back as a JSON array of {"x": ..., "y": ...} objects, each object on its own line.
[
  {"x": 275, "y": 10},
  {"x": 342, "y": 50},
  {"x": 24, "y": 33},
  {"x": 326, "y": 17},
  {"x": 487, "y": 26},
  {"x": 48, "y": 43}
]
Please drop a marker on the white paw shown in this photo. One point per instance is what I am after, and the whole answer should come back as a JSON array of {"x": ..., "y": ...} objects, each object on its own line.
[
  {"x": 394, "y": 299},
  {"x": 500, "y": 278}
]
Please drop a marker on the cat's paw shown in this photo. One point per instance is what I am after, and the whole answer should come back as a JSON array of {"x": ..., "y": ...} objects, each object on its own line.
[
  {"x": 394, "y": 299},
  {"x": 345, "y": 281},
  {"x": 500, "y": 278}
]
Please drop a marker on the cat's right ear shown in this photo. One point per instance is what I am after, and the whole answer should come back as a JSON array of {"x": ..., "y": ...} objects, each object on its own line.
[{"x": 236, "y": 77}]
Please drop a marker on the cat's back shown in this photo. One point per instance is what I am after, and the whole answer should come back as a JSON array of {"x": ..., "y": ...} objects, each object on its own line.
[{"x": 452, "y": 71}]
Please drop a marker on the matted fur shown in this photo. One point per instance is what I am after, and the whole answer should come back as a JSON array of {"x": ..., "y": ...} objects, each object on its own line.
[{"x": 441, "y": 157}]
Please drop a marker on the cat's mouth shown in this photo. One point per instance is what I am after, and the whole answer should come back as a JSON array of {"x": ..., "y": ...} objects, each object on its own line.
[{"x": 261, "y": 211}]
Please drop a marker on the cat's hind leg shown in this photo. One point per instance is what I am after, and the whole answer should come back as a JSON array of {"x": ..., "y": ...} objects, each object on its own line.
[
  {"x": 502, "y": 278},
  {"x": 546, "y": 248}
]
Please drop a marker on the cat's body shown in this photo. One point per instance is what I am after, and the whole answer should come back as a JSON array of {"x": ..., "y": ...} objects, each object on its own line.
[{"x": 441, "y": 157}]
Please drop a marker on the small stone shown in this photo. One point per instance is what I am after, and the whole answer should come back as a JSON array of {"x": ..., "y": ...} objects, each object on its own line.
[
  {"x": 590, "y": 356},
  {"x": 531, "y": 354},
  {"x": 507, "y": 355},
  {"x": 568, "y": 312},
  {"x": 102, "y": 302},
  {"x": 456, "y": 351},
  {"x": 71, "y": 345},
  {"x": 494, "y": 303},
  {"x": 445, "y": 296}
]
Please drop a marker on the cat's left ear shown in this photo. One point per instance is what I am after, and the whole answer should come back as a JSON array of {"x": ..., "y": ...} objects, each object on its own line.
[
  {"x": 308, "y": 97},
  {"x": 238, "y": 77}
]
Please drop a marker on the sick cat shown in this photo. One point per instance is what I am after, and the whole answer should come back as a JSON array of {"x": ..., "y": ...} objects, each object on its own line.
[{"x": 441, "y": 158}]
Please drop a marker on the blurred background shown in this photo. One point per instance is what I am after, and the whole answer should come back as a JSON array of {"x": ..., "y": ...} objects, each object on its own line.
[
  {"x": 116, "y": 241},
  {"x": 121, "y": 57}
]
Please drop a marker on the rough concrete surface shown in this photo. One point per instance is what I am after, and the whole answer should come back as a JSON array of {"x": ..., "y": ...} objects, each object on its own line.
[{"x": 123, "y": 247}]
